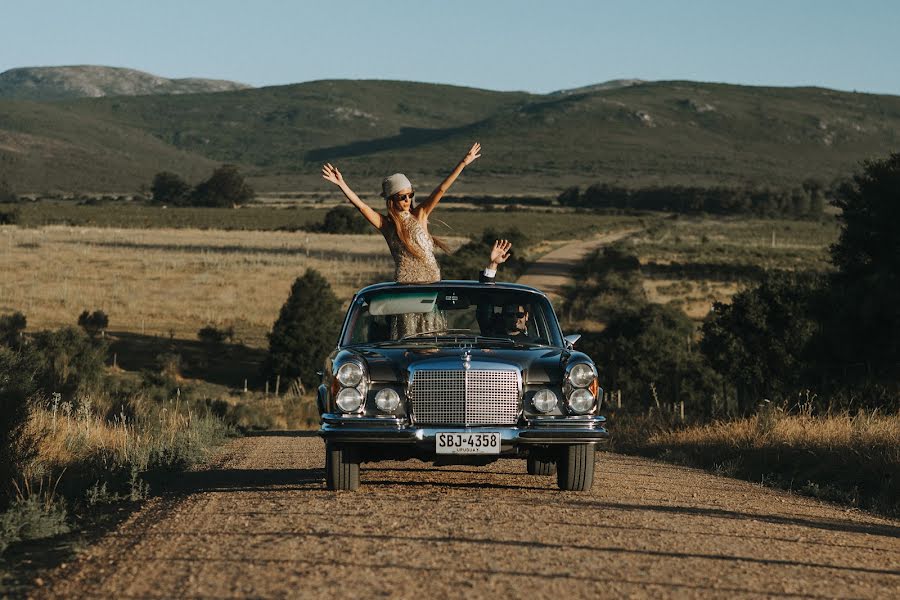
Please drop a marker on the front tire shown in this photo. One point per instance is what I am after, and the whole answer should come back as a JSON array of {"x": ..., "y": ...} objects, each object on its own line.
[
  {"x": 341, "y": 467},
  {"x": 576, "y": 468}
]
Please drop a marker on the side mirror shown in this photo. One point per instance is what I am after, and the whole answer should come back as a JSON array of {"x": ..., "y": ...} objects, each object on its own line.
[{"x": 571, "y": 339}]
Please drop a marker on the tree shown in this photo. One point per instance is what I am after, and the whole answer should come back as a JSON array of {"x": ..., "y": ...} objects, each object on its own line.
[
  {"x": 650, "y": 355},
  {"x": 305, "y": 331},
  {"x": 17, "y": 371},
  {"x": 759, "y": 342},
  {"x": 862, "y": 315},
  {"x": 93, "y": 323},
  {"x": 571, "y": 196},
  {"x": 169, "y": 188},
  {"x": 344, "y": 219},
  {"x": 225, "y": 187}
]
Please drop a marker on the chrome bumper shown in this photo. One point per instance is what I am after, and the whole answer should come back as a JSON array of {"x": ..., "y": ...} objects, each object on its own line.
[{"x": 392, "y": 430}]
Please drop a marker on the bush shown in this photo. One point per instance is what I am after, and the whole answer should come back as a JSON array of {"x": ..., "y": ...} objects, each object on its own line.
[
  {"x": 650, "y": 355},
  {"x": 93, "y": 323},
  {"x": 305, "y": 331},
  {"x": 759, "y": 341},
  {"x": 225, "y": 187},
  {"x": 608, "y": 280},
  {"x": 169, "y": 188},
  {"x": 17, "y": 386},
  {"x": 343, "y": 219},
  {"x": 69, "y": 361},
  {"x": 470, "y": 259},
  {"x": 11, "y": 329},
  {"x": 6, "y": 193}
]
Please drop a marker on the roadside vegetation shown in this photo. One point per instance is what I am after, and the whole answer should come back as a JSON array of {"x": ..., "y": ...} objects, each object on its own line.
[{"x": 794, "y": 381}]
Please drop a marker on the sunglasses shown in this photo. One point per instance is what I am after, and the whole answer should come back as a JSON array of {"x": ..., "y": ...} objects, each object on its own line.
[
  {"x": 517, "y": 315},
  {"x": 410, "y": 195}
]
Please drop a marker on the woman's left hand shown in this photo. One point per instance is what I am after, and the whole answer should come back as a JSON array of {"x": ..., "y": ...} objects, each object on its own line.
[{"x": 473, "y": 153}]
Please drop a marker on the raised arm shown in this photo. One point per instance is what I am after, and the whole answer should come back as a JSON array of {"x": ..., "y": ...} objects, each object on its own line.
[
  {"x": 331, "y": 173},
  {"x": 428, "y": 205},
  {"x": 499, "y": 255}
]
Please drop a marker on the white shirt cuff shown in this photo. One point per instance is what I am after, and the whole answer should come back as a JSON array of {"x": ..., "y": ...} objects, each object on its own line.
[{"x": 490, "y": 272}]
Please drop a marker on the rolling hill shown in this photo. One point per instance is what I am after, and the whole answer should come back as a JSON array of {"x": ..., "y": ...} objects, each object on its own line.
[
  {"x": 638, "y": 134},
  {"x": 90, "y": 81}
]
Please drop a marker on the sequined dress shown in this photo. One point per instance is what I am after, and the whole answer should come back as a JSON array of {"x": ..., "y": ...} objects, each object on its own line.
[{"x": 409, "y": 268}]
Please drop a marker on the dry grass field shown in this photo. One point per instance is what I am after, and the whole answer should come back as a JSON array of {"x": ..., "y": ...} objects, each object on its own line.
[
  {"x": 172, "y": 282},
  {"x": 694, "y": 262}
]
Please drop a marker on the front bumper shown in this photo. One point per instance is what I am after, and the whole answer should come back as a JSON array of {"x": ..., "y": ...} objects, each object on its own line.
[{"x": 529, "y": 432}]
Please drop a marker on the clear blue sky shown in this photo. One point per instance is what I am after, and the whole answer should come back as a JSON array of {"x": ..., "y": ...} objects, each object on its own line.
[{"x": 495, "y": 44}]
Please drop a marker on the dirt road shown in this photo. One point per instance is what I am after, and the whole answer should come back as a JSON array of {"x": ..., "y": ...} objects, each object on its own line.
[
  {"x": 259, "y": 523},
  {"x": 552, "y": 271}
]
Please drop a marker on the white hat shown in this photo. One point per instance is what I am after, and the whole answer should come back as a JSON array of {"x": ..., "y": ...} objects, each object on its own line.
[{"x": 393, "y": 184}]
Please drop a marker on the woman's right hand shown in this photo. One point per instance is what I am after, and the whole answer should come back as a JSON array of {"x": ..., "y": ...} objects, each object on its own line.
[{"x": 331, "y": 173}]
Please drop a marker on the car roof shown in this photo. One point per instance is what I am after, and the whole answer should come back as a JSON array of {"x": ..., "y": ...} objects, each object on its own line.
[{"x": 393, "y": 285}]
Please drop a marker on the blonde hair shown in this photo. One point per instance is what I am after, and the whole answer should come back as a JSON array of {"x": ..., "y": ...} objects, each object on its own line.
[{"x": 408, "y": 243}]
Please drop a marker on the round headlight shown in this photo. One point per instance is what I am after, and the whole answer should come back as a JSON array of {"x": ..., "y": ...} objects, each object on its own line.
[
  {"x": 349, "y": 399},
  {"x": 387, "y": 400},
  {"x": 350, "y": 374},
  {"x": 581, "y": 401},
  {"x": 581, "y": 375},
  {"x": 544, "y": 400}
]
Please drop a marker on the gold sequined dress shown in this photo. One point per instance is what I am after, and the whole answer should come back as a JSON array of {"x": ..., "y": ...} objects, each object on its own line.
[{"x": 409, "y": 268}]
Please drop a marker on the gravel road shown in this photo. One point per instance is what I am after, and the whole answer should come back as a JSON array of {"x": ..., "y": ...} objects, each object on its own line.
[
  {"x": 552, "y": 272},
  {"x": 257, "y": 522}
]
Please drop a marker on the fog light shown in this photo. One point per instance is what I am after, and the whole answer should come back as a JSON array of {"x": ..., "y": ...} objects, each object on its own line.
[
  {"x": 349, "y": 399},
  {"x": 581, "y": 375},
  {"x": 350, "y": 374},
  {"x": 581, "y": 401},
  {"x": 387, "y": 400},
  {"x": 544, "y": 400}
]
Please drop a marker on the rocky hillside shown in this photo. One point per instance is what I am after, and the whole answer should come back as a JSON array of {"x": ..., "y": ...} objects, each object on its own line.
[{"x": 86, "y": 81}]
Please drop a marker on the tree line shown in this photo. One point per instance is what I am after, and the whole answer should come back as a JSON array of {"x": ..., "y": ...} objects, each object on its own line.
[{"x": 806, "y": 201}]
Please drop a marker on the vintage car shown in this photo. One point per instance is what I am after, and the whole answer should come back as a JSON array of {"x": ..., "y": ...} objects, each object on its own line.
[{"x": 458, "y": 372}]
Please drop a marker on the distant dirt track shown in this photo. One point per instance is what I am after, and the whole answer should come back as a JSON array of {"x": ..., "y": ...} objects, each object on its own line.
[
  {"x": 552, "y": 272},
  {"x": 258, "y": 523}
]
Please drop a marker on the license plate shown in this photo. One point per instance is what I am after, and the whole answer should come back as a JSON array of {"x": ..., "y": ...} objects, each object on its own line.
[{"x": 468, "y": 443}]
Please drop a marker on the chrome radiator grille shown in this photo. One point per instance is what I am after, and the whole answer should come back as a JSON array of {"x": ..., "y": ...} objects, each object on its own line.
[{"x": 465, "y": 397}]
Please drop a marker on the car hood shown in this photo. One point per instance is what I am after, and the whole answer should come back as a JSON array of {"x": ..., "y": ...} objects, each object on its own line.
[{"x": 538, "y": 364}]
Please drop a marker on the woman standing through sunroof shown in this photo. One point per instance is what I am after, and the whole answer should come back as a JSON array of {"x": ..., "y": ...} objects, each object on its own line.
[{"x": 405, "y": 226}]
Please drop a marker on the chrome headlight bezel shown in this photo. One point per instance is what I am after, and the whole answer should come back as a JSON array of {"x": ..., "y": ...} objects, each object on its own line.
[
  {"x": 350, "y": 374},
  {"x": 352, "y": 395},
  {"x": 544, "y": 400},
  {"x": 581, "y": 401},
  {"x": 387, "y": 400}
]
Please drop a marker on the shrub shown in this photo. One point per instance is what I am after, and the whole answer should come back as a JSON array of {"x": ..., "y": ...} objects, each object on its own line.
[
  {"x": 6, "y": 193},
  {"x": 17, "y": 386},
  {"x": 169, "y": 188},
  {"x": 474, "y": 256},
  {"x": 225, "y": 187},
  {"x": 69, "y": 361},
  {"x": 11, "y": 329},
  {"x": 343, "y": 219},
  {"x": 93, "y": 323},
  {"x": 305, "y": 331}
]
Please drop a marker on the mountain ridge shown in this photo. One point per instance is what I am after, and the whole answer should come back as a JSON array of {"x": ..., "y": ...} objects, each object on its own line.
[{"x": 97, "y": 81}]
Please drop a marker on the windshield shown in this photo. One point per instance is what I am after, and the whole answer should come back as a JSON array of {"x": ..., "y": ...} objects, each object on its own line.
[{"x": 411, "y": 315}]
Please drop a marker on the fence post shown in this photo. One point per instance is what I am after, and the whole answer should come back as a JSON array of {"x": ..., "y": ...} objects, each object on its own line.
[
  {"x": 267, "y": 388},
  {"x": 277, "y": 384},
  {"x": 681, "y": 411},
  {"x": 245, "y": 386}
]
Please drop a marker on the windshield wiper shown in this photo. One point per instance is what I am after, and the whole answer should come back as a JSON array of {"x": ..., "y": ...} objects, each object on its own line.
[{"x": 433, "y": 332}]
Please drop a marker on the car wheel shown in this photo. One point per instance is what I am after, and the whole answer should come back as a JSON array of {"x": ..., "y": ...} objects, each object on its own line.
[
  {"x": 541, "y": 465},
  {"x": 341, "y": 467},
  {"x": 576, "y": 468}
]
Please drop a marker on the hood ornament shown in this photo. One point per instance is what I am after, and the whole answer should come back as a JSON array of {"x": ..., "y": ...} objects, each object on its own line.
[{"x": 467, "y": 359}]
